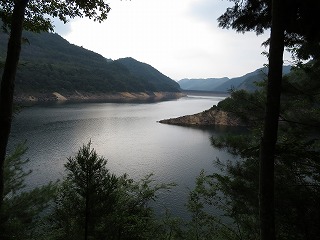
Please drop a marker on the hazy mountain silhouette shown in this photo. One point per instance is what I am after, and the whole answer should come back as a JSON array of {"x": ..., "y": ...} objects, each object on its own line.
[{"x": 225, "y": 84}]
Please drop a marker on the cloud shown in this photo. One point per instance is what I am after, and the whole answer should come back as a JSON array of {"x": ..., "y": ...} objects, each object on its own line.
[
  {"x": 180, "y": 38},
  {"x": 61, "y": 28},
  {"x": 208, "y": 11}
]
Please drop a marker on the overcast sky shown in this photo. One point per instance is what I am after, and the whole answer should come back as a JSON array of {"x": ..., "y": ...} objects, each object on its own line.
[{"x": 180, "y": 38}]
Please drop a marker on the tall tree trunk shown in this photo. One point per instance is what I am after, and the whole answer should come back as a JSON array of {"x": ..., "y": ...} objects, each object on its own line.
[
  {"x": 86, "y": 219},
  {"x": 270, "y": 132},
  {"x": 7, "y": 83}
]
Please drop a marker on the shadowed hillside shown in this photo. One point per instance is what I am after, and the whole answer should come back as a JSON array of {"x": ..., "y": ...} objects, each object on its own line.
[{"x": 50, "y": 63}]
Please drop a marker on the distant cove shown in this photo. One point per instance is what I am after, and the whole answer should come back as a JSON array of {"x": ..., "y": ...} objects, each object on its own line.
[{"x": 128, "y": 135}]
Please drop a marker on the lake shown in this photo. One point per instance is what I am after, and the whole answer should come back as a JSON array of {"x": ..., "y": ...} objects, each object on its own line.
[{"x": 128, "y": 135}]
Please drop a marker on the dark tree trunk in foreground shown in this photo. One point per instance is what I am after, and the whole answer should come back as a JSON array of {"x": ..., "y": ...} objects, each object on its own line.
[
  {"x": 7, "y": 83},
  {"x": 269, "y": 138},
  {"x": 87, "y": 214}
]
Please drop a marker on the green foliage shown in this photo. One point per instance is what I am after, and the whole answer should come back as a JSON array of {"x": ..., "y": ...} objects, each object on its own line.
[
  {"x": 85, "y": 196},
  {"x": 300, "y": 18},
  {"x": 221, "y": 206},
  {"x": 226, "y": 203},
  {"x": 107, "y": 206},
  {"x": 242, "y": 104},
  {"x": 300, "y": 101},
  {"x": 23, "y": 212},
  {"x": 133, "y": 218},
  {"x": 296, "y": 184},
  {"x": 38, "y": 12}
]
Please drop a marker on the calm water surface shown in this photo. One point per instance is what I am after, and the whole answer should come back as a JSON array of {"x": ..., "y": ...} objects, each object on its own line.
[{"x": 126, "y": 134}]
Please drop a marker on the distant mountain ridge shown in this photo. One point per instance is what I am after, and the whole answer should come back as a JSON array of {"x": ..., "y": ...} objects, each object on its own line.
[
  {"x": 208, "y": 84},
  {"x": 49, "y": 63},
  {"x": 225, "y": 84}
]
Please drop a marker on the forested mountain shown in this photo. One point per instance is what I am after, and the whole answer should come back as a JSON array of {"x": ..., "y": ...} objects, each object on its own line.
[
  {"x": 245, "y": 82},
  {"x": 50, "y": 63},
  {"x": 149, "y": 74}
]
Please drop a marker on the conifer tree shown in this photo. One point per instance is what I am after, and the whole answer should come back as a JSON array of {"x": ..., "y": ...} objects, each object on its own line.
[
  {"x": 228, "y": 200},
  {"x": 293, "y": 24},
  {"x": 86, "y": 195},
  {"x": 92, "y": 203},
  {"x": 23, "y": 213}
]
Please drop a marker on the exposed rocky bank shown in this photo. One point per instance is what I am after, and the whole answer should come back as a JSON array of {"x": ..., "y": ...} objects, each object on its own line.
[
  {"x": 212, "y": 117},
  {"x": 100, "y": 97}
]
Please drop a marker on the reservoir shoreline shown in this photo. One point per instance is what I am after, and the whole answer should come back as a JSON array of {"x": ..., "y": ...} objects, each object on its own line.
[{"x": 77, "y": 96}]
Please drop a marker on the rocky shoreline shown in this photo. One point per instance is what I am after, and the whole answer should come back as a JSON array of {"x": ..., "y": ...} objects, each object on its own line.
[
  {"x": 97, "y": 97},
  {"x": 211, "y": 117}
]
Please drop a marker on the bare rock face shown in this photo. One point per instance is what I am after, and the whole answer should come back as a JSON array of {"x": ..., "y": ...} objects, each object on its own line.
[{"x": 211, "y": 117}]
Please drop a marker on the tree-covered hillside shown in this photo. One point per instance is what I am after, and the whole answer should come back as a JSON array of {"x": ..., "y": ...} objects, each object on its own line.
[
  {"x": 149, "y": 75},
  {"x": 50, "y": 63}
]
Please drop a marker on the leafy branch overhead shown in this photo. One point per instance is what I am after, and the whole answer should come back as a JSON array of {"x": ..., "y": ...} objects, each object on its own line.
[
  {"x": 300, "y": 19},
  {"x": 39, "y": 14}
]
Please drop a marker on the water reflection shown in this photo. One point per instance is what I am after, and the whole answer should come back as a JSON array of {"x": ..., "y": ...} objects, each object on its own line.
[{"x": 127, "y": 134}]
